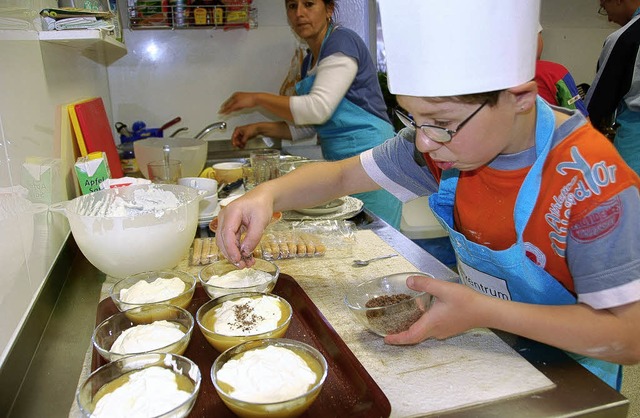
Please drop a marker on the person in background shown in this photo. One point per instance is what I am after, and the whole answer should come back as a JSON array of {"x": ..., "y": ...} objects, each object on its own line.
[
  {"x": 339, "y": 98},
  {"x": 555, "y": 83},
  {"x": 539, "y": 206},
  {"x": 613, "y": 100}
]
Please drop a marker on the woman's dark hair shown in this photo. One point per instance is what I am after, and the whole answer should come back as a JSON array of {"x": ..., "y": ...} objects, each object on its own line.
[{"x": 331, "y": 4}]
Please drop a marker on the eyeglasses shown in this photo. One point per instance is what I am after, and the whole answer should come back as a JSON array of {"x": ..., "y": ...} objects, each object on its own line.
[
  {"x": 602, "y": 11},
  {"x": 436, "y": 133}
]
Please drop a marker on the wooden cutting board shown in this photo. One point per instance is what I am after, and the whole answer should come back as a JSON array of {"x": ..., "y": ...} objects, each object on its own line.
[{"x": 93, "y": 132}]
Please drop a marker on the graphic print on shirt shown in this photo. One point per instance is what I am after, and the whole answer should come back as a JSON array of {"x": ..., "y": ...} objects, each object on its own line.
[
  {"x": 535, "y": 254},
  {"x": 599, "y": 223},
  {"x": 588, "y": 181}
]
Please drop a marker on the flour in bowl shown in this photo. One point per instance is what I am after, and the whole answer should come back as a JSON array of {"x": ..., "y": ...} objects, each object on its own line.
[{"x": 147, "y": 200}]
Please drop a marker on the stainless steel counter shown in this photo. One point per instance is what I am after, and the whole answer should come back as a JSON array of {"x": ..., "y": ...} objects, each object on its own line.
[{"x": 50, "y": 381}]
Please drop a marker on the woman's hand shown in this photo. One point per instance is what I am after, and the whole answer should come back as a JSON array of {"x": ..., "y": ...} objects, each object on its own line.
[
  {"x": 242, "y": 134},
  {"x": 454, "y": 311},
  {"x": 240, "y": 227},
  {"x": 238, "y": 101}
]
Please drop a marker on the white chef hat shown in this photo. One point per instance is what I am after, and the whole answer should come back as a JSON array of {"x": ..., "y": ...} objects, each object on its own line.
[{"x": 454, "y": 47}]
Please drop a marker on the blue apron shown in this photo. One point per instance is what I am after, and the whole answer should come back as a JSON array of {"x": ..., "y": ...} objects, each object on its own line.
[
  {"x": 509, "y": 274},
  {"x": 350, "y": 131},
  {"x": 626, "y": 138}
]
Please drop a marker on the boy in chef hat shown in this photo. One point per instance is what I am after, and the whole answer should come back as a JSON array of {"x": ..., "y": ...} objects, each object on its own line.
[{"x": 541, "y": 210}]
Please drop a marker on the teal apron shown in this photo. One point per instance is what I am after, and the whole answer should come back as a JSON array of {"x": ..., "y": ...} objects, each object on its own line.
[
  {"x": 350, "y": 131},
  {"x": 509, "y": 274},
  {"x": 626, "y": 139}
]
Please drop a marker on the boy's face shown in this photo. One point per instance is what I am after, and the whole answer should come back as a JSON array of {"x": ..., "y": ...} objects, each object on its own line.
[{"x": 491, "y": 131}]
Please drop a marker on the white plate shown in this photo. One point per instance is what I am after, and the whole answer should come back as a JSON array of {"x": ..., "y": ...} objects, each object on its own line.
[
  {"x": 325, "y": 209},
  {"x": 351, "y": 207},
  {"x": 203, "y": 220},
  {"x": 227, "y": 200}
]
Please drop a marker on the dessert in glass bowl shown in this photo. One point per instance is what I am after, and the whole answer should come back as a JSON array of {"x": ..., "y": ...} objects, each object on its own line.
[
  {"x": 142, "y": 385},
  {"x": 168, "y": 330},
  {"x": 275, "y": 377},
  {"x": 232, "y": 319},
  {"x": 222, "y": 278},
  {"x": 169, "y": 287}
]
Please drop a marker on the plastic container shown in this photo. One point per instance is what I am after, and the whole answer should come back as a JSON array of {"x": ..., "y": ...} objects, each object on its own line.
[{"x": 122, "y": 245}]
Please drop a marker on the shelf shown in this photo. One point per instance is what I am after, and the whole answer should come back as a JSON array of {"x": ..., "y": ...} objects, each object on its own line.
[
  {"x": 93, "y": 43},
  {"x": 240, "y": 15}
]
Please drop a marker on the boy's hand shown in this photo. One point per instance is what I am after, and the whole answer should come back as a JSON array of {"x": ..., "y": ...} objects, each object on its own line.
[
  {"x": 240, "y": 227},
  {"x": 455, "y": 310}
]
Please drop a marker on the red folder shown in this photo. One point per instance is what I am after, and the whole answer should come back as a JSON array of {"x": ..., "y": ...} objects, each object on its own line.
[{"x": 95, "y": 132}]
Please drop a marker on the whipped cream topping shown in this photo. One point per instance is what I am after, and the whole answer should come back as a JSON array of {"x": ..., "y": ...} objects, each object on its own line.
[
  {"x": 240, "y": 278},
  {"x": 148, "y": 393},
  {"x": 158, "y": 290},
  {"x": 266, "y": 375},
  {"x": 147, "y": 337},
  {"x": 247, "y": 316}
]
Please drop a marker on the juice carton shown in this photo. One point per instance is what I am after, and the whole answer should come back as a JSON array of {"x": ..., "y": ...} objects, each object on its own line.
[{"x": 91, "y": 171}]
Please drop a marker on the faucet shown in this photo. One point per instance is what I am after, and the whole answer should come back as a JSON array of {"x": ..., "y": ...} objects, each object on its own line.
[
  {"x": 216, "y": 125},
  {"x": 184, "y": 128}
]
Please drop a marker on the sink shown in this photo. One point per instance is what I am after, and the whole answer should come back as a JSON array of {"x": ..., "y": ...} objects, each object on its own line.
[{"x": 223, "y": 150}]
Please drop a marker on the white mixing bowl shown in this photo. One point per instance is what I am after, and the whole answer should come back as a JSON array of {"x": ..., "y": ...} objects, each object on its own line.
[
  {"x": 191, "y": 152},
  {"x": 143, "y": 239}
]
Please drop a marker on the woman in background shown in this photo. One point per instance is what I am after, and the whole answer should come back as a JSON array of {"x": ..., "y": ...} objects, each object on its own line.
[
  {"x": 339, "y": 98},
  {"x": 613, "y": 100}
]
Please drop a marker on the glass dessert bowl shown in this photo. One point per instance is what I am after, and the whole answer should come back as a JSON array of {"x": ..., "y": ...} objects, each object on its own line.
[
  {"x": 221, "y": 278},
  {"x": 168, "y": 287},
  {"x": 151, "y": 385},
  {"x": 164, "y": 329},
  {"x": 271, "y": 395},
  {"x": 239, "y": 317},
  {"x": 385, "y": 305}
]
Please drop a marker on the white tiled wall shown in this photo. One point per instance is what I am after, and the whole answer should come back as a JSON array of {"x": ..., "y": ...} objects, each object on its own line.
[
  {"x": 35, "y": 79},
  {"x": 573, "y": 34},
  {"x": 188, "y": 75}
]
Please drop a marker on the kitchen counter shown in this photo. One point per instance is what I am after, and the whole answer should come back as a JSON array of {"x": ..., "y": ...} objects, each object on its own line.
[{"x": 49, "y": 386}]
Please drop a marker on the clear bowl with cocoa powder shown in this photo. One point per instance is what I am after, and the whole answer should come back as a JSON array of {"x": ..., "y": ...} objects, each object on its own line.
[{"x": 385, "y": 305}]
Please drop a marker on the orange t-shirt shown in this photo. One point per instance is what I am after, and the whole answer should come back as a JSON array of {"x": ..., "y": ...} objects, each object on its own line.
[{"x": 582, "y": 172}]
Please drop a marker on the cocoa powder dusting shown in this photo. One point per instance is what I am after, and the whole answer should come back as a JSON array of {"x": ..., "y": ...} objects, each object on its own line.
[
  {"x": 245, "y": 317},
  {"x": 392, "y": 321}
]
